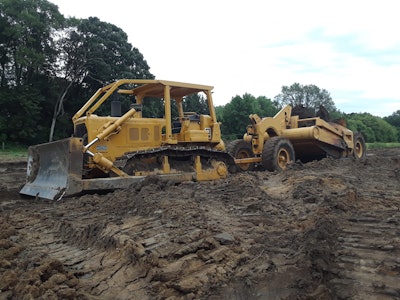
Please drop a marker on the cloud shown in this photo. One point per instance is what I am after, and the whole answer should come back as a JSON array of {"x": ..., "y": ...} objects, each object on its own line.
[{"x": 350, "y": 48}]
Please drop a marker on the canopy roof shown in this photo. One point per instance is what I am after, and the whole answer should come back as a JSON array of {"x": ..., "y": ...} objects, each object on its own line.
[{"x": 155, "y": 88}]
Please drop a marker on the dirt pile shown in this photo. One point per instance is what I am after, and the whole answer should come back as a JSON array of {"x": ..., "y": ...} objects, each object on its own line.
[{"x": 322, "y": 230}]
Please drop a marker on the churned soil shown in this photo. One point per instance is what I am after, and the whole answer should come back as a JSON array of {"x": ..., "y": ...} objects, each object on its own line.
[{"x": 327, "y": 229}]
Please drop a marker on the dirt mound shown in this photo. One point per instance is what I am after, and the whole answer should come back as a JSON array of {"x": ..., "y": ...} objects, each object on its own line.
[{"x": 321, "y": 230}]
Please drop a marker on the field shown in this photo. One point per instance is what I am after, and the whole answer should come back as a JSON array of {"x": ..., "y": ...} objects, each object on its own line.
[{"x": 328, "y": 229}]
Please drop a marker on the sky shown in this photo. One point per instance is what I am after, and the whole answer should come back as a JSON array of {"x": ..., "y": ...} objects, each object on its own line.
[{"x": 349, "y": 48}]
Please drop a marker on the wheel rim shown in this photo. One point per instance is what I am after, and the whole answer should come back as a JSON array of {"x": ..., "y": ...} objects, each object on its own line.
[
  {"x": 358, "y": 149},
  {"x": 283, "y": 158},
  {"x": 243, "y": 154}
]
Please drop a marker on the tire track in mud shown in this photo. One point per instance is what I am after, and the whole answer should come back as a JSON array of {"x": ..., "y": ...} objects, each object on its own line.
[
  {"x": 79, "y": 242},
  {"x": 369, "y": 244},
  {"x": 368, "y": 256},
  {"x": 361, "y": 255},
  {"x": 148, "y": 249}
]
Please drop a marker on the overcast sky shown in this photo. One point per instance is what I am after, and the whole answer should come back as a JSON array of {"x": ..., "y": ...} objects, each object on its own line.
[{"x": 350, "y": 48}]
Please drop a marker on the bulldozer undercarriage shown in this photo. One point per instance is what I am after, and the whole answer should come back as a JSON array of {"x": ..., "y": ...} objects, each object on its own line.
[
  {"x": 55, "y": 169},
  {"x": 202, "y": 163}
]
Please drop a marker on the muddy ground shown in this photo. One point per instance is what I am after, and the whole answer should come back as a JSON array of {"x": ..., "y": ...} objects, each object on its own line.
[{"x": 323, "y": 230}]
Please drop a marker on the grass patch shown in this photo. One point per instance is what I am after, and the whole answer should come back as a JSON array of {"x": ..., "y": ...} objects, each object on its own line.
[
  {"x": 13, "y": 153},
  {"x": 382, "y": 145}
]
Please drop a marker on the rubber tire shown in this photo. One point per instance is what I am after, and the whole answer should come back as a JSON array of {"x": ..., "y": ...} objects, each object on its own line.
[
  {"x": 277, "y": 153},
  {"x": 359, "y": 146},
  {"x": 241, "y": 149}
]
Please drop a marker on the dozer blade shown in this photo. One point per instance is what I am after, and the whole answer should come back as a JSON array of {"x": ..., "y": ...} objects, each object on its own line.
[{"x": 54, "y": 169}]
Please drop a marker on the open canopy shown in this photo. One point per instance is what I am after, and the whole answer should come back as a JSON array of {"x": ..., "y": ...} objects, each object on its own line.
[
  {"x": 155, "y": 88},
  {"x": 144, "y": 88}
]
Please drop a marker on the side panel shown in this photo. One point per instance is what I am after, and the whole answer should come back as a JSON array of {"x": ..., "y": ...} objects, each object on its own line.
[{"x": 136, "y": 134}]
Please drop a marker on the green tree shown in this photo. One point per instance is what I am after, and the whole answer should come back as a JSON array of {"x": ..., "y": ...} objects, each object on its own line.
[
  {"x": 95, "y": 53},
  {"x": 196, "y": 103},
  {"x": 309, "y": 96},
  {"x": 357, "y": 125},
  {"x": 28, "y": 56},
  {"x": 235, "y": 114},
  {"x": 394, "y": 120},
  {"x": 27, "y": 47},
  {"x": 50, "y": 66},
  {"x": 19, "y": 115},
  {"x": 153, "y": 108},
  {"x": 374, "y": 129},
  {"x": 264, "y": 107},
  {"x": 219, "y": 111},
  {"x": 106, "y": 54}
]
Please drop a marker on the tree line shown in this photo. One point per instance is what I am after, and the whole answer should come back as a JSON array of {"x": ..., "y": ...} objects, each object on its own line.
[
  {"x": 50, "y": 65},
  {"x": 235, "y": 114}
]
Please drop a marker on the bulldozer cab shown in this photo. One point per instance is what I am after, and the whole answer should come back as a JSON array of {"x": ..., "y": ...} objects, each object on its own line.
[{"x": 173, "y": 125}]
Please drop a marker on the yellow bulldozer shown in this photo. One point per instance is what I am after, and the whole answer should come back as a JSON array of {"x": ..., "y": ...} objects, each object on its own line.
[{"x": 113, "y": 150}]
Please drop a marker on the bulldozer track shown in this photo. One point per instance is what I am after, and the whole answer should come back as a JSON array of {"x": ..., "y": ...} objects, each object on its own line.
[{"x": 175, "y": 153}]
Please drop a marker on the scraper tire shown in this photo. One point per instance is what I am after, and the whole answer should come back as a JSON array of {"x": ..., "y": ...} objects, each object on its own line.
[
  {"x": 359, "y": 146},
  {"x": 278, "y": 152},
  {"x": 241, "y": 149}
]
